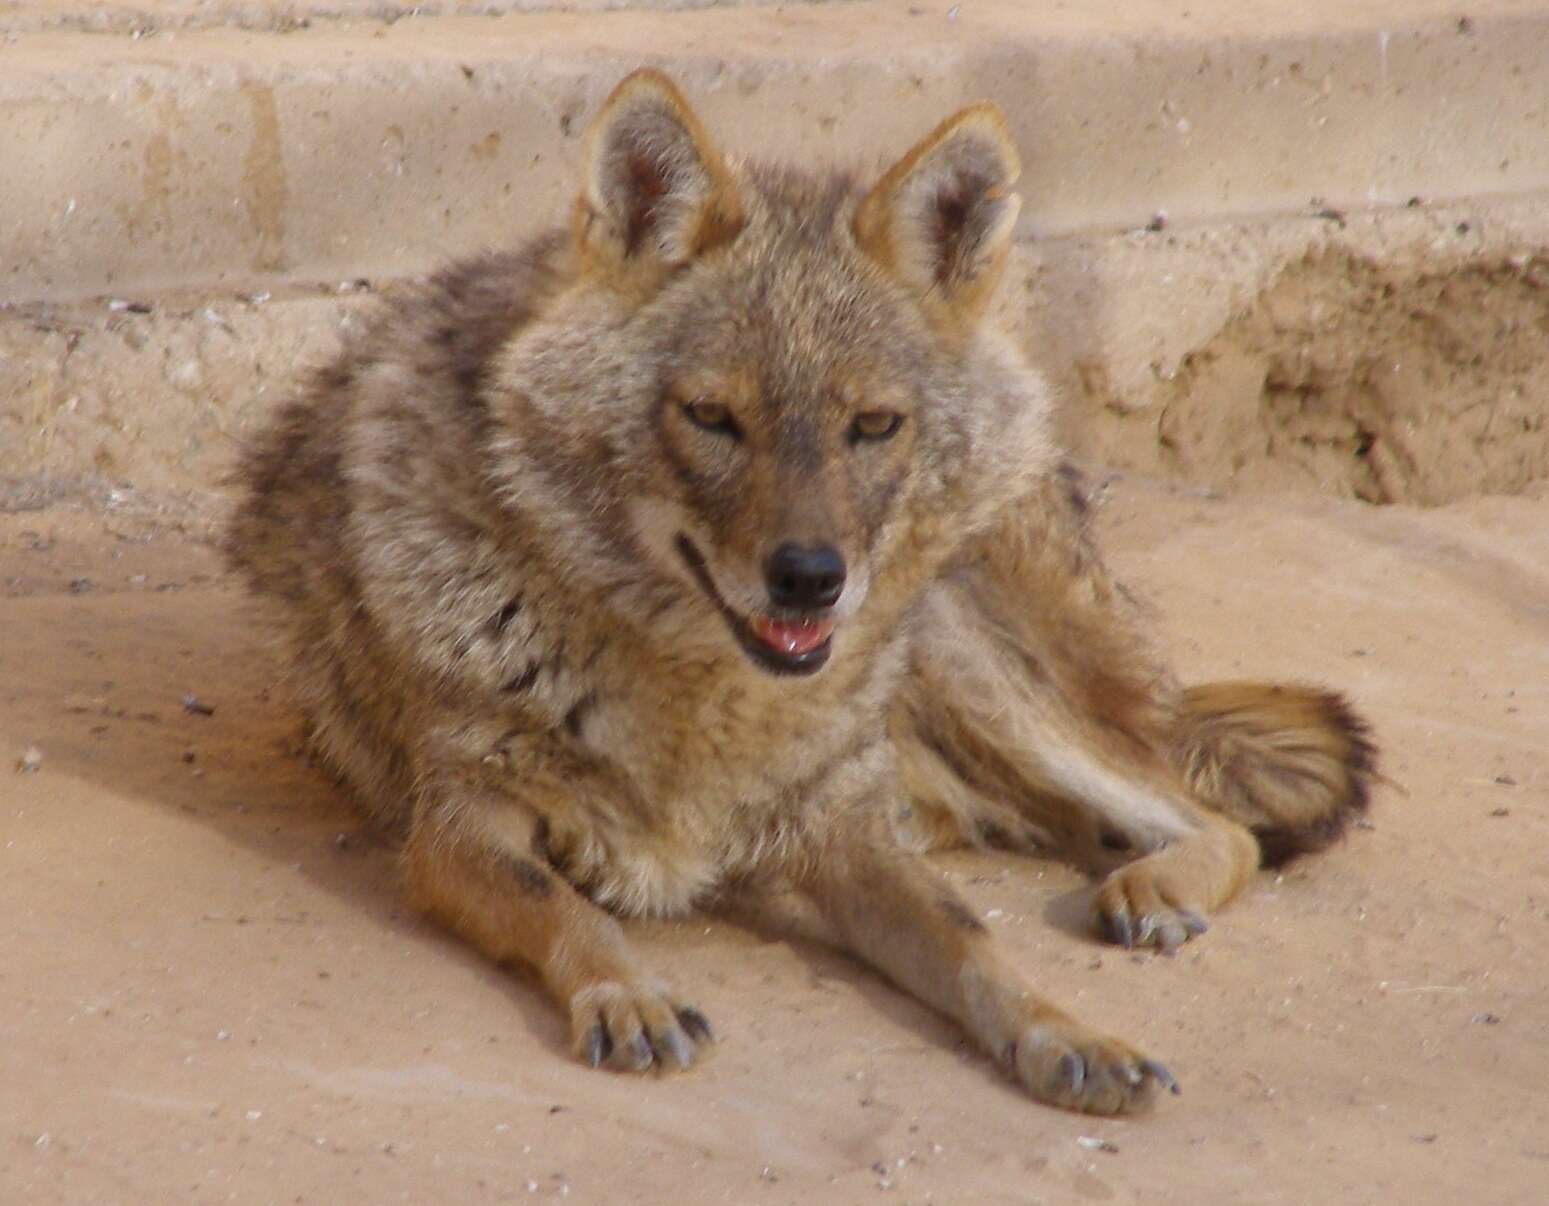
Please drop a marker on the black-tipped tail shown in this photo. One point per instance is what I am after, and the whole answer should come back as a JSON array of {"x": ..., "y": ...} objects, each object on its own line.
[{"x": 1292, "y": 763}]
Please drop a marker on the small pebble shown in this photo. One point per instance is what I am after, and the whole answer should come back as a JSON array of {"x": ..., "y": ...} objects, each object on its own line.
[{"x": 31, "y": 759}]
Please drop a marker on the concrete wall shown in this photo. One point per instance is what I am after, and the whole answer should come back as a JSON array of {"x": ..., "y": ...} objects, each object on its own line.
[
  {"x": 195, "y": 199},
  {"x": 226, "y": 158}
]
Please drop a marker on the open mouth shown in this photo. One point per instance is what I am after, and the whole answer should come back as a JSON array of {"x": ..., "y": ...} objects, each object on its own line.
[{"x": 780, "y": 644}]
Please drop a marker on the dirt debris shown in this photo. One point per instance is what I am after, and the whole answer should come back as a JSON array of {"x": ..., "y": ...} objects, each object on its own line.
[
  {"x": 1342, "y": 1008},
  {"x": 1359, "y": 379}
]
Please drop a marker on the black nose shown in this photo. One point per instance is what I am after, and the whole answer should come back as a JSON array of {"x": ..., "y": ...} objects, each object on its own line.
[{"x": 805, "y": 577}]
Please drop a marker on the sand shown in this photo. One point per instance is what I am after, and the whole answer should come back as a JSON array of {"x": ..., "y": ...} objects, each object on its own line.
[{"x": 210, "y": 989}]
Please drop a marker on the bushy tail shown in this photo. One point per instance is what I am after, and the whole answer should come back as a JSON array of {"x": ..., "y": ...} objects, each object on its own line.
[{"x": 1292, "y": 763}]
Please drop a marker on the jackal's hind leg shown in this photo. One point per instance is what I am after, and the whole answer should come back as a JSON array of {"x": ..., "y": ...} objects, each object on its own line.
[
  {"x": 1036, "y": 708},
  {"x": 1041, "y": 712},
  {"x": 1164, "y": 897},
  {"x": 1054, "y": 780}
]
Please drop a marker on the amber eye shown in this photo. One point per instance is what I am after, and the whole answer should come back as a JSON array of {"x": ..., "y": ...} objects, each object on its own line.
[
  {"x": 876, "y": 425},
  {"x": 712, "y": 416}
]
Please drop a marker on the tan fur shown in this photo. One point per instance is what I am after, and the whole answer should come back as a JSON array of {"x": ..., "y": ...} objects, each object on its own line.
[
  {"x": 648, "y": 141},
  {"x": 906, "y": 220},
  {"x": 522, "y": 540}
]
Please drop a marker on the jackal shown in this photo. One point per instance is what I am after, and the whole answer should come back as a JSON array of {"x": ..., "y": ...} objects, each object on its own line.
[{"x": 717, "y": 546}]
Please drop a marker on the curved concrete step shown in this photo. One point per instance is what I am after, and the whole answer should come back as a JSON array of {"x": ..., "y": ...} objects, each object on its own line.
[{"x": 211, "y": 158}]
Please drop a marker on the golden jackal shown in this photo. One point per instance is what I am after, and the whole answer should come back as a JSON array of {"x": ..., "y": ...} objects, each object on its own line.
[{"x": 716, "y": 546}]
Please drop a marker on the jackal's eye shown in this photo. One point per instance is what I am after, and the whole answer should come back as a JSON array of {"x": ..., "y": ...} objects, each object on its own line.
[
  {"x": 875, "y": 426},
  {"x": 712, "y": 416}
]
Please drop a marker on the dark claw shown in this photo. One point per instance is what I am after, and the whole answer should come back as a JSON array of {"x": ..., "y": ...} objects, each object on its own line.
[
  {"x": 1161, "y": 1075},
  {"x": 1193, "y": 922},
  {"x": 640, "y": 1052},
  {"x": 1072, "y": 1072},
  {"x": 596, "y": 1046},
  {"x": 1117, "y": 928},
  {"x": 673, "y": 1044},
  {"x": 696, "y": 1024}
]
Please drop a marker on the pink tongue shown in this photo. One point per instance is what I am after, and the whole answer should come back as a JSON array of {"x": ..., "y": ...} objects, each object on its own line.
[{"x": 792, "y": 637}]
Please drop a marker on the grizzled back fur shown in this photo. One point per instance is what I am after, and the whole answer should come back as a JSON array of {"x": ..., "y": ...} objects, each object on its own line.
[
  {"x": 716, "y": 542},
  {"x": 715, "y": 360}
]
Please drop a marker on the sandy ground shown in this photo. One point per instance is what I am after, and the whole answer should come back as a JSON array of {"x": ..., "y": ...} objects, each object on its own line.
[{"x": 210, "y": 990}]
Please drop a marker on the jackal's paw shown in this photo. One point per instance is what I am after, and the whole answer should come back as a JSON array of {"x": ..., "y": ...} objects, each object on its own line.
[
  {"x": 633, "y": 1026},
  {"x": 1067, "y": 1065},
  {"x": 1143, "y": 904}
]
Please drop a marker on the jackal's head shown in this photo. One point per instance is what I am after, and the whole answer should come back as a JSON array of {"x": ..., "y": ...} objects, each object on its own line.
[{"x": 784, "y": 382}]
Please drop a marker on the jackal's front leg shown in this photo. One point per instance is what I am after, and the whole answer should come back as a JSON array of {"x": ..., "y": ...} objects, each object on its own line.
[
  {"x": 898, "y": 914},
  {"x": 475, "y": 865}
]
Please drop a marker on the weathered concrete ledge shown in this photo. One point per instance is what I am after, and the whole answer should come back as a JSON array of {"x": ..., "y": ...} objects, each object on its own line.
[
  {"x": 227, "y": 158},
  {"x": 146, "y": 17},
  {"x": 1394, "y": 354}
]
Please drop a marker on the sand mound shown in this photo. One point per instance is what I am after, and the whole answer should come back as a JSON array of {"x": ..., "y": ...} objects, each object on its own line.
[{"x": 1379, "y": 381}]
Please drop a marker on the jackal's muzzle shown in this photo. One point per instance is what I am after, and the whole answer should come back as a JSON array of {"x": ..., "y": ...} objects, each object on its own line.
[{"x": 795, "y": 636}]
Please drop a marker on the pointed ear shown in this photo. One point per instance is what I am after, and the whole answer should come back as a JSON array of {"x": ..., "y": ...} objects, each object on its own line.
[
  {"x": 940, "y": 219},
  {"x": 656, "y": 192}
]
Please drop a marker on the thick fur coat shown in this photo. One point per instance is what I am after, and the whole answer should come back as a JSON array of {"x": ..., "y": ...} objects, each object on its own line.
[{"x": 716, "y": 546}]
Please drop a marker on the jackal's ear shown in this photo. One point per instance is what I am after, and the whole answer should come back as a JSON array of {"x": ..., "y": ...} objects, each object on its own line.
[
  {"x": 656, "y": 192},
  {"x": 941, "y": 218}
]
